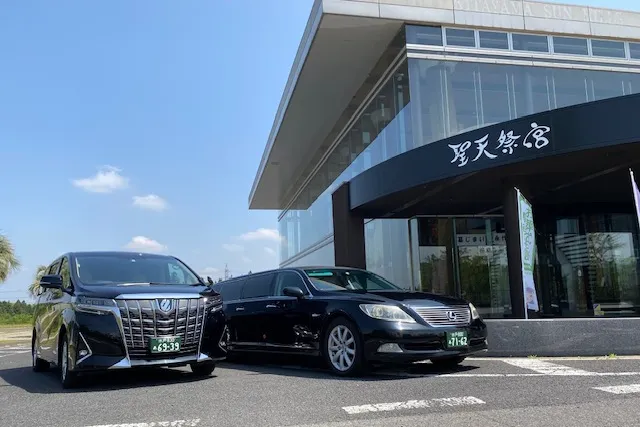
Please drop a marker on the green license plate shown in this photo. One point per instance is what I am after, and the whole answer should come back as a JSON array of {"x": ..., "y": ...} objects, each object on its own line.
[
  {"x": 165, "y": 344},
  {"x": 457, "y": 339}
]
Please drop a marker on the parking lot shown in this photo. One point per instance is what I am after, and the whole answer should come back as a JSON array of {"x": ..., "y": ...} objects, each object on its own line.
[{"x": 485, "y": 392}]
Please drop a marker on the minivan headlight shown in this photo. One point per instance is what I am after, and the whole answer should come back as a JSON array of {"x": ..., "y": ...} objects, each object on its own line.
[
  {"x": 94, "y": 305},
  {"x": 386, "y": 312},
  {"x": 474, "y": 312}
]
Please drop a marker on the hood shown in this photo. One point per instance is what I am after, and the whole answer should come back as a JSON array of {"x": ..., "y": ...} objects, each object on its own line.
[
  {"x": 111, "y": 291},
  {"x": 423, "y": 299}
]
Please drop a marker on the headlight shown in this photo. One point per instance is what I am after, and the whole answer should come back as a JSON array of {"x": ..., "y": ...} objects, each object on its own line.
[
  {"x": 94, "y": 305},
  {"x": 386, "y": 312},
  {"x": 474, "y": 313}
]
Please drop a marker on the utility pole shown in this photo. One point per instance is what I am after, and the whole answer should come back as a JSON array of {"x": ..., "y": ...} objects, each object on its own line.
[{"x": 226, "y": 272}]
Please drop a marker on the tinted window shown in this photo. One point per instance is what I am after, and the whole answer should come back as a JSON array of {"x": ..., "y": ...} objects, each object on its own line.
[
  {"x": 257, "y": 286},
  {"x": 570, "y": 45},
  {"x": 344, "y": 279},
  {"x": 64, "y": 272},
  {"x": 608, "y": 48},
  {"x": 634, "y": 50},
  {"x": 457, "y": 37},
  {"x": 530, "y": 42},
  {"x": 493, "y": 40},
  {"x": 431, "y": 36},
  {"x": 99, "y": 269},
  {"x": 54, "y": 268},
  {"x": 288, "y": 279},
  {"x": 231, "y": 291}
]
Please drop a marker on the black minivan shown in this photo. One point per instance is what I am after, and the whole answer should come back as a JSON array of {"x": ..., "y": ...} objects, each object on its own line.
[
  {"x": 350, "y": 317},
  {"x": 119, "y": 310}
]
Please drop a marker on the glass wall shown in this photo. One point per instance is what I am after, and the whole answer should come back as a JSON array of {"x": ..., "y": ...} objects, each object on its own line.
[
  {"x": 466, "y": 257},
  {"x": 382, "y": 131},
  {"x": 450, "y": 97},
  {"x": 387, "y": 250},
  {"x": 588, "y": 265},
  {"x": 324, "y": 255}
]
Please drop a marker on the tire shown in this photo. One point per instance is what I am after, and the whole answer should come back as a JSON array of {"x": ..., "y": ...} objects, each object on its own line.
[
  {"x": 37, "y": 364},
  {"x": 68, "y": 379},
  {"x": 203, "y": 369},
  {"x": 343, "y": 349},
  {"x": 448, "y": 362}
]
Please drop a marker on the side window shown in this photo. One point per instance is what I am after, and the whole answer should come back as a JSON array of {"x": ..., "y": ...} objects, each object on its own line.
[
  {"x": 64, "y": 272},
  {"x": 258, "y": 286},
  {"x": 231, "y": 291},
  {"x": 54, "y": 268},
  {"x": 288, "y": 279}
]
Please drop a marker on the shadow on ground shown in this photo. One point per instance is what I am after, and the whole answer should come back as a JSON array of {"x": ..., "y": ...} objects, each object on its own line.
[
  {"x": 312, "y": 368},
  {"x": 48, "y": 382}
]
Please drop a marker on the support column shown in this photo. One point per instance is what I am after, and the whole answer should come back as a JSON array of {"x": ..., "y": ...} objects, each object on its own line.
[
  {"x": 348, "y": 231},
  {"x": 512, "y": 234}
]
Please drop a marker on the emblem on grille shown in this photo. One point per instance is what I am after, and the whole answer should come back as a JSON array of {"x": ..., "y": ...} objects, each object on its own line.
[
  {"x": 165, "y": 305},
  {"x": 451, "y": 315}
]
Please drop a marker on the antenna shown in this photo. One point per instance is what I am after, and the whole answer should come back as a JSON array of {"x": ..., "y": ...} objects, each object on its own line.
[{"x": 226, "y": 272}]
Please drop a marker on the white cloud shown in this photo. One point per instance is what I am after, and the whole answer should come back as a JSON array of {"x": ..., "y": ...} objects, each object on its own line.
[
  {"x": 106, "y": 180},
  {"x": 145, "y": 244},
  {"x": 151, "y": 202},
  {"x": 246, "y": 259},
  {"x": 232, "y": 247},
  {"x": 209, "y": 271},
  {"x": 270, "y": 251},
  {"x": 261, "y": 234}
]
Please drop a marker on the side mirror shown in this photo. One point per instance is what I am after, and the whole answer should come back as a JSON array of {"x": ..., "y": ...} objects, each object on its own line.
[
  {"x": 51, "y": 281},
  {"x": 293, "y": 292}
]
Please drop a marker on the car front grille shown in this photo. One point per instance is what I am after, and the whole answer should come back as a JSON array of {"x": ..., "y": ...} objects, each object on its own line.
[
  {"x": 144, "y": 318},
  {"x": 445, "y": 316}
]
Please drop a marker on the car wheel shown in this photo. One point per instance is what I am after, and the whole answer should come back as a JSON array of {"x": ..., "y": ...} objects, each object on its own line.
[
  {"x": 37, "y": 364},
  {"x": 342, "y": 348},
  {"x": 67, "y": 377},
  {"x": 203, "y": 369},
  {"x": 448, "y": 362}
]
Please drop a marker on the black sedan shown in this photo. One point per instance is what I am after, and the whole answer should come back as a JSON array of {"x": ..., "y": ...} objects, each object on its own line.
[{"x": 350, "y": 317}]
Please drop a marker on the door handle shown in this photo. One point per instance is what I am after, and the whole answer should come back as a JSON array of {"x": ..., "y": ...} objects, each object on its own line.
[
  {"x": 239, "y": 308},
  {"x": 272, "y": 306}
]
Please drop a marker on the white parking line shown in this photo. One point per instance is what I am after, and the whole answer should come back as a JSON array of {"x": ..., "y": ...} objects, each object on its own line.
[
  {"x": 177, "y": 423},
  {"x": 620, "y": 389},
  {"x": 547, "y": 368},
  {"x": 414, "y": 404}
]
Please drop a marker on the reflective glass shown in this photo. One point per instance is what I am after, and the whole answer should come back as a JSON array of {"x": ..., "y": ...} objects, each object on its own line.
[
  {"x": 608, "y": 48},
  {"x": 431, "y": 36},
  {"x": 570, "y": 45},
  {"x": 459, "y": 37},
  {"x": 323, "y": 256},
  {"x": 387, "y": 250},
  {"x": 530, "y": 43},
  {"x": 634, "y": 50},
  {"x": 493, "y": 40}
]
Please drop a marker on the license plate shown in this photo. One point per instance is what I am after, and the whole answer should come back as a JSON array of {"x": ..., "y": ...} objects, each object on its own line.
[
  {"x": 165, "y": 344},
  {"x": 457, "y": 339}
]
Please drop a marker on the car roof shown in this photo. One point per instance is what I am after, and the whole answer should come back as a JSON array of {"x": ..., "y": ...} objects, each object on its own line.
[{"x": 115, "y": 253}]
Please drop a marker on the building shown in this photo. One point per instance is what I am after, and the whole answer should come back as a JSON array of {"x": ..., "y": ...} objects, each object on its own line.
[{"x": 406, "y": 127}]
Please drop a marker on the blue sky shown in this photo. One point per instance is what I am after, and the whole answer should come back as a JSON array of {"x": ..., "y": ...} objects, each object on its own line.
[{"x": 141, "y": 123}]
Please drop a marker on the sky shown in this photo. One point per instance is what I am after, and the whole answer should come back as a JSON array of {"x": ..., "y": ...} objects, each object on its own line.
[{"x": 140, "y": 124}]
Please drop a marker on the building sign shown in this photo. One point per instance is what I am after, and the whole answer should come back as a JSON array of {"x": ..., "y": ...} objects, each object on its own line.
[
  {"x": 502, "y": 145},
  {"x": 499, "y": 239},
  {"x": 527, "y": 252}
]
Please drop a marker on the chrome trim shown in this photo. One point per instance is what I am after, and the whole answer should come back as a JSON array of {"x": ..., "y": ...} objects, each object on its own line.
[
  {"x": 88, "y": 349},
  {"x": 439, "y": 317},
  {"x": 174, "y": 295}
]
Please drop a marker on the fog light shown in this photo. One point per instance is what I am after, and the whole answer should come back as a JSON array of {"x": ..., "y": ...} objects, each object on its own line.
[
  {"x": 83, "y": 353},
  {"x": 389, "y": 348}
]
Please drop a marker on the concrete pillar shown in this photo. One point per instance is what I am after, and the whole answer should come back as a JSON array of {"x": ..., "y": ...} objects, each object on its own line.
[{"x": 348, "y": 231}]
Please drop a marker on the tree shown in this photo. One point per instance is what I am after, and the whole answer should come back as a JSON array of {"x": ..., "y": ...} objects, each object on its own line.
[
  {"x": 9, "y": 262},
  {"x": 34, "y": 287}
]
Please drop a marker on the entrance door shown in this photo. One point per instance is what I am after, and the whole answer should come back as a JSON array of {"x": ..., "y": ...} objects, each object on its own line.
[{"x": 466, "y": 257}]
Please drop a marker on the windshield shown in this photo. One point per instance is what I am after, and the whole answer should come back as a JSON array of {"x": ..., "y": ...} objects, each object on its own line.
[
  {"x": 132, "y": 269},
  {"x": 342, "y": 280}
]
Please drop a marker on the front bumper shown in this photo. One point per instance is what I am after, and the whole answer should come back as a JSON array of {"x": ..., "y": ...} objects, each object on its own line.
[
  {"x": 418, "y": 342},
  {"x": 100, "y": 344}
]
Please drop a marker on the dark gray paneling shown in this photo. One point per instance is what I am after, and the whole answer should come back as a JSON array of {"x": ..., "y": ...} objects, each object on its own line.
[{"x": 564, "y": 337}]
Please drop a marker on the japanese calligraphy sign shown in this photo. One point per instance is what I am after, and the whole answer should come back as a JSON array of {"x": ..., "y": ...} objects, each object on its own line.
[
  {"x": 527, "y": 252},
  {"x": 504, "y": 145}
]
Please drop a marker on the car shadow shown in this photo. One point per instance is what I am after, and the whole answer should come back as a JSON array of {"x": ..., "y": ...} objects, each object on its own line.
[
  {"x": 313, "y": 368},
  {"x": 48, "y": 382}
]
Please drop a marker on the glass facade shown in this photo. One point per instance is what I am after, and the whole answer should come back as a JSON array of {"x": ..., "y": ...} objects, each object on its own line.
[{"x": 429, "y": 99}]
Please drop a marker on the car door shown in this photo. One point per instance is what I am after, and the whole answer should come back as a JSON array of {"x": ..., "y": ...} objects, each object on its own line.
[
  {"x": 251, "y": 310},
  {"x": 47, "y": 318},
  {"x": 288, "y": 319},
  {"x": 61, "y": 299}
]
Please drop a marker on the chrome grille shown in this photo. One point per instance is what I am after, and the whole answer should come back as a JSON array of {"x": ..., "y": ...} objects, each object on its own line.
[
  {"x": 445, "y": 316},
  {"x": 143, "y": 319}
]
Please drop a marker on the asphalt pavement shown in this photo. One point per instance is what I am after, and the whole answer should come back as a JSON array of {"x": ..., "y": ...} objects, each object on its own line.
[{"x": 481, "y": 392}]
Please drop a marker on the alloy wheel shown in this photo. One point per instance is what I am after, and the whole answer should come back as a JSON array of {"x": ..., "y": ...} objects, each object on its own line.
[{"x": 342, "y": 348}]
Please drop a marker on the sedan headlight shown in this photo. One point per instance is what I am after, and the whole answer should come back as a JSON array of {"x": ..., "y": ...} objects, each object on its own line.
[
  {"x": 386, "y": 312},
  {"x": 94, "y": 305},
  {"x": 474, "y": 313}
]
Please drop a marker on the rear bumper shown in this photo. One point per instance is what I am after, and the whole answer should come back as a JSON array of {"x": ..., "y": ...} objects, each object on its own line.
[{"x": 421, "y": 343}]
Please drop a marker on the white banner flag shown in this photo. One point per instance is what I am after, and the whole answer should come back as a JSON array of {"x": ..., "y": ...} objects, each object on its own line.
[
  {"x": 636, "y": 194},
  {"x": 527, "y": 252}
]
